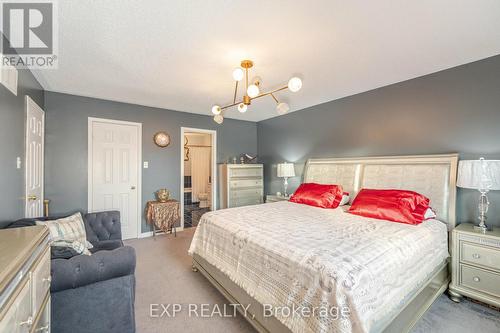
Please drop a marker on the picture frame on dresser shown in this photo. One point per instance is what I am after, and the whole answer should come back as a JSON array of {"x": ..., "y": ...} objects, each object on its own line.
[{"x": 475, "y": 265}]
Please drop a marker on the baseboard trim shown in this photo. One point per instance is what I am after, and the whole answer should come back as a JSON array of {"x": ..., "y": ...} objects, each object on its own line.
[{"x": 150, "y": 233}]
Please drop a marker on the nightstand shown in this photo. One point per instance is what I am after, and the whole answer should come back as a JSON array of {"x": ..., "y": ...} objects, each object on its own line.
[
  {"x": 475, "y": 265},
  {"x": 276, "y": 198}
]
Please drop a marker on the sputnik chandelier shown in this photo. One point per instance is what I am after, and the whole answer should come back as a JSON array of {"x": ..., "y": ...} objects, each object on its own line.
[{"x": 253, "y": 92}]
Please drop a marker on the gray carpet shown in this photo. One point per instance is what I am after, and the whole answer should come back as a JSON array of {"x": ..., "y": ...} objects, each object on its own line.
[{"x": 164, "y": 276}]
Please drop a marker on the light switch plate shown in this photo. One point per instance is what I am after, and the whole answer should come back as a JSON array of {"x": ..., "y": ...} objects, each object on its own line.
[
  {"x": 18, "y": 163},
  {"x": 146, "y": 164}
]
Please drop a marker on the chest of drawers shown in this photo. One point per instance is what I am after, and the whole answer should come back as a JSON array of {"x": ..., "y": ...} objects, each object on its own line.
[
  {"x": 241, "y": 185},
  {"x": 475, "y": 265},
  {"x": 25, "y": 280}
]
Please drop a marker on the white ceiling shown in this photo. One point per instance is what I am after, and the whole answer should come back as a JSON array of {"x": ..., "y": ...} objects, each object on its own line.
[{"x": 180, "y": 54}]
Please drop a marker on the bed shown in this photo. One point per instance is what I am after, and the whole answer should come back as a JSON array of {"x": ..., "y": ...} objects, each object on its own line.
[{"x": 372, "y": 275}]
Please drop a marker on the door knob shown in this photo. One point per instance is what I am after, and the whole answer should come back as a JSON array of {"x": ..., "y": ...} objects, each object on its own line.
[
  {"x": 32, "y": 197},
  {"x": 132, "y": 188}
]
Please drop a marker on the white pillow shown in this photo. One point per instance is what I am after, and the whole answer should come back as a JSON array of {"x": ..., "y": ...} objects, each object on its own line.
[
  {"x": 429, "y": 214},
  {"x": 68, "y": 232},
  {"x": 345, "y": 199}
]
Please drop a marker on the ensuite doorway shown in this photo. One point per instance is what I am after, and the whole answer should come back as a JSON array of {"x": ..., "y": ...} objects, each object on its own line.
[{"x": 198, "y": 174}]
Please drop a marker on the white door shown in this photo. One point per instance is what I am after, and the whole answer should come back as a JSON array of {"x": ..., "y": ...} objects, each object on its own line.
[
  {"x": 34, "y": 153},
  {"x": 114, "y": 157}
]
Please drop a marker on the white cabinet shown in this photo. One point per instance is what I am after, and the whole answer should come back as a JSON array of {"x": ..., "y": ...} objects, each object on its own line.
[
  {"x": 24, "y": 280},
  {"x": 19, "y": 317},
  {"x": 241, "y": 185},
  {"x": 40, "y": 281}
]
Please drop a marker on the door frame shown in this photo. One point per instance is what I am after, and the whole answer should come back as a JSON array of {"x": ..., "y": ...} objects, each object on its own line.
[
  {"x": 138, "y": 126},
  {"x": 214, "y": 191},
  {"x": 29, "y": 100}
]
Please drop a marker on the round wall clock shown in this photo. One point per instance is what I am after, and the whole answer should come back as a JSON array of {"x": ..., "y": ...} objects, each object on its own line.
[{"x": 162, "y": 139}]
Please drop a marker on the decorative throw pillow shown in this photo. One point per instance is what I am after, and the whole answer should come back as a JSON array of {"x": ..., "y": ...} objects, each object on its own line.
[
  {"x": 68, "y": 232},
  {"x": 318, "y": 195},
  {"x": 391, "y": 205}
]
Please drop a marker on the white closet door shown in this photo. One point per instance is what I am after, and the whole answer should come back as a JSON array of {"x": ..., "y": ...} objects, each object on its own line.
[
  {"x": 114, "y": 164},
  {"x": 35, "y": 132}
]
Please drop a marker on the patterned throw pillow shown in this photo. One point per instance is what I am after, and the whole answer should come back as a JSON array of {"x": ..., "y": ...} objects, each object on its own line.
[{"x": 68, "y": 232}]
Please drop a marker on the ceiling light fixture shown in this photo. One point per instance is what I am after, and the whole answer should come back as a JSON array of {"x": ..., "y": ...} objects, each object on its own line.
[
  {"x": 281, "y": 107},
  {"x": 238, "y": 74},
  {"x": 216, "y": 109},
  {"x": 242, "y": 107},
  {"x": 253, "y": 91},
  {"x": 219, "y": 119}
]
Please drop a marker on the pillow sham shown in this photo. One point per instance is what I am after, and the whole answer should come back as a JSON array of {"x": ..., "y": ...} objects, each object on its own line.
[
  {"x": 392, "y": 205},
  {"x": 318, "y": 195},
  {"x": 68, "y": 232}
]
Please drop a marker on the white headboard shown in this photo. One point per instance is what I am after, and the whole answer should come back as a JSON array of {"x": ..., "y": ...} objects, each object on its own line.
[{"x": 431, "y": 175}]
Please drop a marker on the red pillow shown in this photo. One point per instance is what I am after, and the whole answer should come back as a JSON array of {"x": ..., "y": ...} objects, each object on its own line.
[
  {"x": 318, "y": 195},
  {"x": 392, "y": 205}
]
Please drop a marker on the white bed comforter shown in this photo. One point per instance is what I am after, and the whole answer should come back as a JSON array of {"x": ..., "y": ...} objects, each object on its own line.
[{"x": 287, "y": 254}]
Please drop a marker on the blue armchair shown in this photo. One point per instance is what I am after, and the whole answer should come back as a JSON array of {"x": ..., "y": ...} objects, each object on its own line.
[{"x": 94, "y": 293}]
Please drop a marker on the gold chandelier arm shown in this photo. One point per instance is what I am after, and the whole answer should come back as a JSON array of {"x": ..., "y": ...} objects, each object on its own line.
[
  {"x": 270, "y": 92},
  {"x": 246, "y": 78},
  {"x": 235, "y": 92},
  {"x": 230, "y": 105},
  {"x": 275, "y": 99},
  {"x": 259, "y": 96}
]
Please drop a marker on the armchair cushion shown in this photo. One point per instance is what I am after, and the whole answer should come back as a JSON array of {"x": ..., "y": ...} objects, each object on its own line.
[
  {"x": 80, "y": 271},
  {"x": 107, "y": 245},
  {"x": 103, "y": 226}
]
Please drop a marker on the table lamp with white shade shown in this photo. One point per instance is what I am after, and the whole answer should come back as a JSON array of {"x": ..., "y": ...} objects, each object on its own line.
[
  {"x": 484, "y": 176},
  {"x": 286, "y": 170}
]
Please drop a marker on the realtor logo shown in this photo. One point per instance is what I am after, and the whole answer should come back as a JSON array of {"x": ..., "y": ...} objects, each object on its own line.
[{"x": 29, "y": 39}]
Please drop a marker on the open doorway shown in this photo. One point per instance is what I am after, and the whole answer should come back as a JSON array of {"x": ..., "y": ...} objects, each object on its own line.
[{"x": 198, "y": 174}]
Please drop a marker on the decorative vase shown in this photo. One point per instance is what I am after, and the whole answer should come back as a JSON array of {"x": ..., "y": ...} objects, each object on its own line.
[{"x": 162, "y": 195}]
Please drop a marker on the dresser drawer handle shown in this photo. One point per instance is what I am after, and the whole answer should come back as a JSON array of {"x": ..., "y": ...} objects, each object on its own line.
[
  {"x": 476, "y": 279},
  {"x": 43, "y": 329},
  {"x": 476, "y": 256},
  {"x": 28, "y": 322}
]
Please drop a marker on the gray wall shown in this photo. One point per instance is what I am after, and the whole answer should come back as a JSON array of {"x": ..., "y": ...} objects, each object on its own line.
[
  {"x": 66, "y": 146},
  {"x": 456, "y": 110},
  {"x": 12, "y": 119}
]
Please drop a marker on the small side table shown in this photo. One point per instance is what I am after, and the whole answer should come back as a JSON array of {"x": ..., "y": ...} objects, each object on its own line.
[
  {"x": 163, "y": 215},
  {"x": 475, "y": 265},
  {"x": 276, "y": 198}
]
